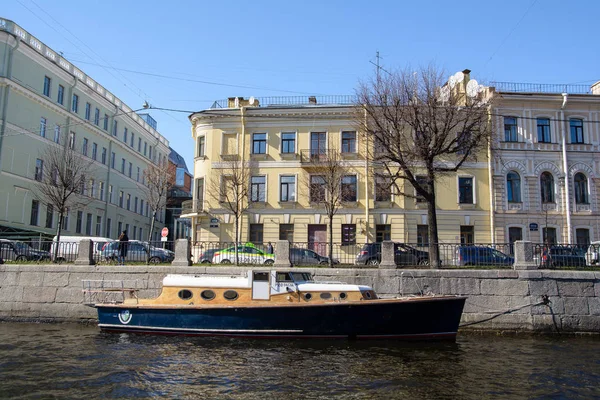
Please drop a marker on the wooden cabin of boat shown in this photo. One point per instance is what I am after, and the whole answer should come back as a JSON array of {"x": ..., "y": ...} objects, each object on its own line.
[{"x": 256, "y": 288}]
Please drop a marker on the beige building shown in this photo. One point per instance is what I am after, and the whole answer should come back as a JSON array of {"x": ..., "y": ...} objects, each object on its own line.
[
  {"x": 546, "y": 169},
  {"x": 47, "y": 101}
]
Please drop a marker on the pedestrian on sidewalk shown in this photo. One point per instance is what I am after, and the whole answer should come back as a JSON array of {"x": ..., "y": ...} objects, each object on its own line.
[{"x": 123, "y": 245}]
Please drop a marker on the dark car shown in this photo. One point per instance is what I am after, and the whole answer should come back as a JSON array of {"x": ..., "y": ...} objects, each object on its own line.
[
  {"x": 308, "y": 257},
  {"x": 206, "y": 256},
  {"x": 562, "y": 256},
  {"x": 137, "y": 251},
  {"x": 370, "y": 254},
  {"x": 481, "y": 255},
  {"x": 11, "y": 250}
]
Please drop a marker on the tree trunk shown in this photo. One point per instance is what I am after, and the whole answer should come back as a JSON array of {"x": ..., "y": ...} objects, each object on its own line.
[
  {"x": 237, "y": 228},
  {"x": 58, "y": 229},
  {"x": 330, "y": 262},
  {"x": 151, "y": 227},
  {"x": 434, "y": 248}
]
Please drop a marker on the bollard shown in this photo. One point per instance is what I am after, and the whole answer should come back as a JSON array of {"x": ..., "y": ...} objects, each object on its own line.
[
  {"x": 387, "y": 255},
  {"x": 85, "y": 254},
  {"x": 524, "y": 255},
  {"x": 182, "y": 253},
  {"x": 282, "y": 254}
]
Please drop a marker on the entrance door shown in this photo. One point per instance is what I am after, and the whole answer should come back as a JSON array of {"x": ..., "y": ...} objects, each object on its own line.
[
  {"x": 514, "y": 233},
  {"x": 260, "y": 286},
  {"x": 317, "y": 238}
]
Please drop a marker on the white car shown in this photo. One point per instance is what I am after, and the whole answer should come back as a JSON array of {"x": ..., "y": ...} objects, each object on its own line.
[{"x": 592, "y": 254}]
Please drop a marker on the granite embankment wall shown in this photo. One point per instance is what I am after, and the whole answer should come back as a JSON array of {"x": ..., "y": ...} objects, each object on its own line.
[{"x": 497, "y": 299}]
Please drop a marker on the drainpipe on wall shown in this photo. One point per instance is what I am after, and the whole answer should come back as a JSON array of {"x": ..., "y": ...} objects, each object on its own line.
[
  {"x": 367, "y": 180},
  {"x": 243, "y": 155},
  {"x": 6, "y": 93},
  {"x": 565, "y": 168},
  {"x": 492, "y": 202}
]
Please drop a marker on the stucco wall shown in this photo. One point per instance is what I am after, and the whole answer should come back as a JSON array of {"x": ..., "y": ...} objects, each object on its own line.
[{"x": 497, "y": 299}]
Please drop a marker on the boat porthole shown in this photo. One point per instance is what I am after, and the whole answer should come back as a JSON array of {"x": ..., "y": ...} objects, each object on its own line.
[
  {"x": 307, "y": 296},
  {"x": 230, "y": 295},
  {"x": 368, "y": 295},
  {"x": 185, "y": 294},
  {"x": 343, "y": 295},
  {"x": 207, "y": 294},
  {"x": 325, "y": 295}
]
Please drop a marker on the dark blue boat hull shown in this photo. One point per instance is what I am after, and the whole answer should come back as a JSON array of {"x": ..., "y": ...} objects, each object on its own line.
[{"x": 430, "y": 318}]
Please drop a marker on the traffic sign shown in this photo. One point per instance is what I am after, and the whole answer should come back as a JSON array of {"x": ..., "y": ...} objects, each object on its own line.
[{"x": 164, "y": 232}]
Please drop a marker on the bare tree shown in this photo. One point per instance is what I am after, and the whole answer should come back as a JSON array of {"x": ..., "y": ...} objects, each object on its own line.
[
  {"x": 230, "y": 186},
  {"x": 158, "y": 180},
  {"x": 329, "y": 185},
  {"x": 420, "y": 128},
  {"x": 60, "y": 176}
]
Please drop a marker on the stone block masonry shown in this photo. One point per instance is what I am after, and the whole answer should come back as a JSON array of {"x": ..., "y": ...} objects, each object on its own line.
[{"x": 516, "y": 300}]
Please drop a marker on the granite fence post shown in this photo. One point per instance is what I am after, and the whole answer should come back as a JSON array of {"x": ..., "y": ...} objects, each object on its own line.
[
  {"x": 524, "y": 255},
  {"x": 183, "y": 253},
  {"x": 85, "y": 254},
  {"x": 387, "y": 255},
  {"x": 282, "y": 254}
]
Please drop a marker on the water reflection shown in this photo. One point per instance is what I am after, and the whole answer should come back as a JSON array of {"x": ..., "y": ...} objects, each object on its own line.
[{"x": 73, "y": 361}]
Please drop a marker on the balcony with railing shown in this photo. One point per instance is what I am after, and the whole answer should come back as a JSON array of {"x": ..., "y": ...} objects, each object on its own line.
[
  {"x": 290, "y": 101},
  {"x": 316, "y": 157},
  {"x": 194, "y": 206}
]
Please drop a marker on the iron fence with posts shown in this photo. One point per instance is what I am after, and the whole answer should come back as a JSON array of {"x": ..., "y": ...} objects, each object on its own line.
[{"x": 567, "y": 256}]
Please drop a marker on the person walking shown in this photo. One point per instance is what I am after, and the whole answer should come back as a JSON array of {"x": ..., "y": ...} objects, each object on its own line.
[
  {"x": 269, "y": 248},
  {"x": 123, "y": 245}
]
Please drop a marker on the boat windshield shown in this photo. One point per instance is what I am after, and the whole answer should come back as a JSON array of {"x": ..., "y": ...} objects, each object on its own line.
[{"x": 294, "y": 277}]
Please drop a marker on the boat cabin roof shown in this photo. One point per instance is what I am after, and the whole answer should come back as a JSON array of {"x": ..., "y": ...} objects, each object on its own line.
[{"x": 236, "y": 281}]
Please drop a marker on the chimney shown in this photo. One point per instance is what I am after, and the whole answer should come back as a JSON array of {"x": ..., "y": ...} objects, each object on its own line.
[
  {"x": 312, "y": 100},
  {"x": 595, "y": 88}
]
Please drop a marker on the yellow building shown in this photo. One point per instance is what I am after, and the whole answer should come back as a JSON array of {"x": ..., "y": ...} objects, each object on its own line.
[{"x": 277, "y": 140}]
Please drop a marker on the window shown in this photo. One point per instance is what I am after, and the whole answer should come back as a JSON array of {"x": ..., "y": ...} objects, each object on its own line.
[
  {"x": 75, "y": 104},
  {"x": 137, "y": 178},
  {"x": 513, "y": 187},
  {"x": 139, "y": 144},
  {"x": 423, "y": 235},
  {"x": 258, "y": 188},
  {"x": 145, "y": 148},
  {"x": 56, "y": 133},
  {"x": 201, "y": 149},
  {"x": 383, "y": 232},
  {"x": 421, "y": 181},
  {"x": 108, "y": 227},
  {"x": 130, "y": 169},
  {"x": 106, "y": 124},
  {"x": 121, "y": 198},
  {"x": 123, "y": 166},
  {"x": 286, "y": 232},
  {"x": 103, "y": 156},
  {"x": 97, "y": 117},
  {"x": 514, "y": 233},
  {"x": 124, "y": 133},
  {"x": 142, "y": 206},
  {"x": 60, "y": 98},
  {"x": 549, "y": 235},
  {"x": 98, "y": 225},
  {"x": 84, "y": 147},
  {"x": 383, "y": 188},
  {"x": 256, "y": 233},
  {"x": 379, "y": 147},
  {"x": 543, "y": 130},
  {"x": 317, "y": 188},
  {"x": 135, "y": 205},
  {"x": 288, "y": 142},
  {"x": 110, "y": 194},
  {"x": 43, "y": 127},
  {"x": 259, "y": 143},
  {"x": 88, "y": 224},
  {"x": 39, "y": 170},
  {"x": 349, "y": 142},
  {"x": 132, "y": 139},
  {"x": 92, "y": 188},
  {"x": 101, "y": 189},
  {"x": 464, "y": 142},
  {"x": 119, "y": 227},
  {"x": 88, "y": 111},
  {"x": 348, "y": 234},
  {"x": 35, "y": 209},
  {"x": 128, "y": 201},
  {"x": 79, "y": 222},
  {"x": 581, "y": 189},
  {"x": 72, "y": 140},
  {"x": 318, "y": 143},
  {"x": 510, "y": 129},
  {"x": 576, "y": 130},
  {"x": 150, "y": 152},
  {"x": 582, "y": 236},
  {"x": 467, "y": 234},
  {"x": 65, "y": 222},
  {"x": 94, "y": 151},
  {"x": 349, "y": 188},
  {"x": 465, "y": 190},
  {"x": 47, "y": 85},
  {"x": 547, "y": 187},
  {"x": 287, "y": 188},
  {"x": 112, "y": 160},
  {"x": 179, "y": 176}
]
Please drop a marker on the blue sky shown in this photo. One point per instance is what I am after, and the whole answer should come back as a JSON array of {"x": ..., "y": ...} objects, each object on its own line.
[{"x": 210, "y": 50}]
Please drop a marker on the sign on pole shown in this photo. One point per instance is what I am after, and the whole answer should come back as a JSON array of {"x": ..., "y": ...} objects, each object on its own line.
[{"x": 165, "y": 232}]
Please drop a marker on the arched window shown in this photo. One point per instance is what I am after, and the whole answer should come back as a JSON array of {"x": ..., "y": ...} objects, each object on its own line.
[
  {"x": 547, "y": 187},
  {"x": 581, "y": 189},
  {"x": 513, "y": 187}
]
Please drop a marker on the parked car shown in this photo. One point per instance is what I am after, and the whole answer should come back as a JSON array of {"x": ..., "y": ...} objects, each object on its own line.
[
  {"x": 481, "y": 255},
  {"x": 308, "y": 257},
  {"x": 68, "y": 247},
  {"x": 206, "y": 256},
  {"x": 562, "y": 256},
  {"x": 11, "y": 250},
  {"x": 404, "y": 255},
  {"x": 592, "y": 257},
  {"x": 137, "y": 251},
  {"x": 247, "y": 254}
]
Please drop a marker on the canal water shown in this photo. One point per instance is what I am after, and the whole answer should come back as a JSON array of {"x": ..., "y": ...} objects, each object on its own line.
[{"x": 66, "y": 361}]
